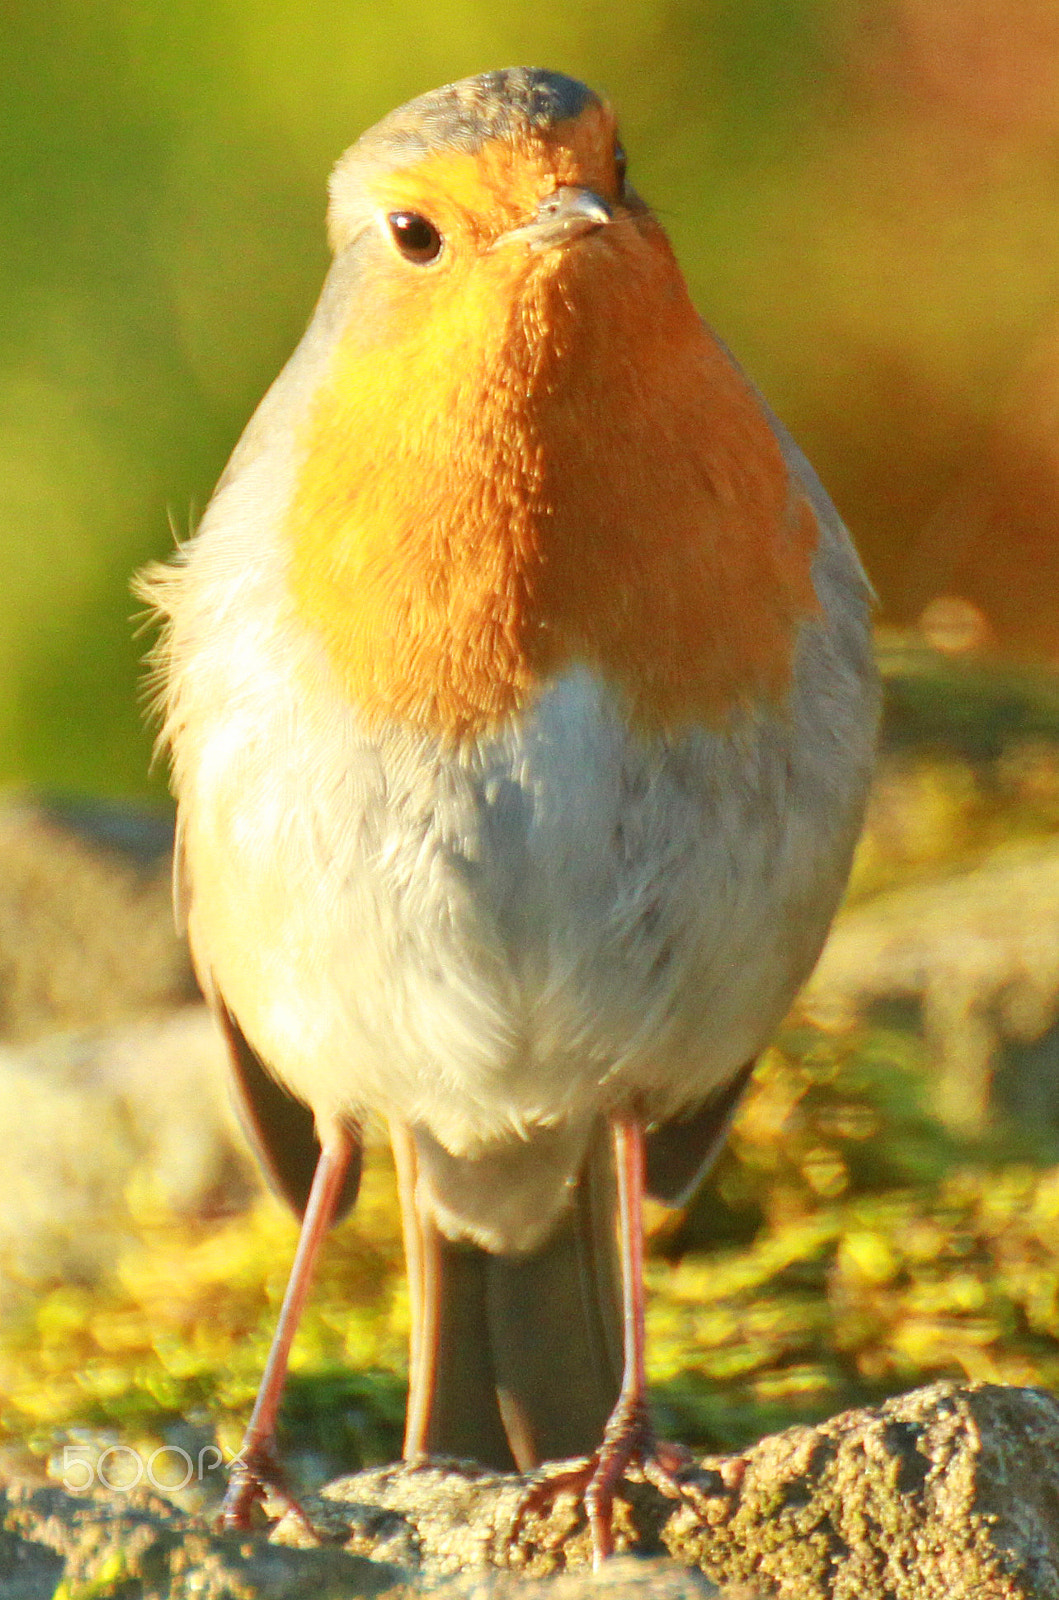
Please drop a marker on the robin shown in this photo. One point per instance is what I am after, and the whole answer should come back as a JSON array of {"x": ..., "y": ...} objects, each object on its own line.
[{"x": 520, "y": 697}]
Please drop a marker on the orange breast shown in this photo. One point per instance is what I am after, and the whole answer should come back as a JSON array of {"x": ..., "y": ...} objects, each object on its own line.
[{"x": 548, "y": 462}]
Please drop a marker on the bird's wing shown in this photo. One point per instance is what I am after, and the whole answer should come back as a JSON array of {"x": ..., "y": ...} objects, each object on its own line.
[
  {"x": 682, "y": 1151},
  {"x": 281, "y": 1130}
]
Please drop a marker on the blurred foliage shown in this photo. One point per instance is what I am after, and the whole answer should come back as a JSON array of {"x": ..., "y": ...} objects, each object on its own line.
[
  {"x": 181, "y": 1333},
  {"x": 873, "y": 1250},
  {"x": 863, "y": 192},
  {"x": 965, "y": 710},
  {"x": 846, "y": 1248},
  {"x": 969, "y": 759}
]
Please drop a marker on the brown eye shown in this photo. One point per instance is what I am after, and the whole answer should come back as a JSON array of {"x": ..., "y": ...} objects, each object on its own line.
[
  {"x": 620, "y": 165},
  {"x": 415, "y": 237}
]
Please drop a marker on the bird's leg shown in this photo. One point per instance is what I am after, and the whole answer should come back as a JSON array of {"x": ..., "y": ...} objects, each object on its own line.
[
  {"x": 628, "y": 1438},
  {"x": 422, "y": 1295},
  {"x": 628, "y": 1432},
  {"x": 256, "y": 1470}
]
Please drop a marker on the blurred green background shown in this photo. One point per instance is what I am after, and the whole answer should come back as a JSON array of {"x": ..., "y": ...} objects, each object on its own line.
[{"x": 864, "y": 193}]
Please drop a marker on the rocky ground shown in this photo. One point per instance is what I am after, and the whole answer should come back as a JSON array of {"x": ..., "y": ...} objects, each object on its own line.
[{"x": 948, "y": 1493}]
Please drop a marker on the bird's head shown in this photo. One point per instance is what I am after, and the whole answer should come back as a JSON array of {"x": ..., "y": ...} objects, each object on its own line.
[
  {"x": 497, "y": 195},
  {"x": 524, "y": 452}
]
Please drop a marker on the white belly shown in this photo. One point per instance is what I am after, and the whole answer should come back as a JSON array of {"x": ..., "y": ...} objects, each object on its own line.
[
  {"x": 485, "y": 945},
  {"x": 564, "y": 919}
]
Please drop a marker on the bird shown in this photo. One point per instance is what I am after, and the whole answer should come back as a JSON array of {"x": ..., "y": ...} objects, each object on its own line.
[{"x": 520, "y": 702}]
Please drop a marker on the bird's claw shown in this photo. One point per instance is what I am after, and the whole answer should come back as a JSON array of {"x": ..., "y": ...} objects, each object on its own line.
[
  {"x": 628, "y": 1441},
  {"x": 254, "y": 1477}
]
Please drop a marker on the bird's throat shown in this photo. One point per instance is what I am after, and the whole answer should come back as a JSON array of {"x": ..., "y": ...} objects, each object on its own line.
[{"x": 554, "y": 468}]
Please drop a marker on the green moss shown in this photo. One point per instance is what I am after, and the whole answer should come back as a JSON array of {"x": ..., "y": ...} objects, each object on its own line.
[{"x": 920, "y": 1256}]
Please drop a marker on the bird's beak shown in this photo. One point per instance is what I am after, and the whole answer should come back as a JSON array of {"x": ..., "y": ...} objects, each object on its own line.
[{"x": 561, "y": 217}]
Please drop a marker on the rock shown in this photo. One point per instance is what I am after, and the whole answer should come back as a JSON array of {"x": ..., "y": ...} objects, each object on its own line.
[
  {"x": 94, "y": 1110},
  {"x": 111, "y": 1069},
  {"x": 976, "y": 958},
  {"x": 133, "y": 1545},
  {"x": 948, "y": 1493},
  {"x": 86, "y": 924}
]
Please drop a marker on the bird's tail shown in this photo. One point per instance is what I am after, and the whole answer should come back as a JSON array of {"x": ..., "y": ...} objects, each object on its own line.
[{"x": 514, "y": 1359}]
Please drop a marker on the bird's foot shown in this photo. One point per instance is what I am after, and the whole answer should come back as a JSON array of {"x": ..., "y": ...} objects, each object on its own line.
[
  {"x": 254, "y": 1477},
  {"x": 628, "y": 1441}
]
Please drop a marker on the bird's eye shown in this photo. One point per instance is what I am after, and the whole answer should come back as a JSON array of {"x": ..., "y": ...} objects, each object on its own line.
[
  {"x": 620, "y": 165},
  {"x": 416, "y": 238}
]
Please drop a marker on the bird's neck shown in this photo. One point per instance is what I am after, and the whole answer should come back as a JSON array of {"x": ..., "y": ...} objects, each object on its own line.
[{"x": 587, "y": 481}]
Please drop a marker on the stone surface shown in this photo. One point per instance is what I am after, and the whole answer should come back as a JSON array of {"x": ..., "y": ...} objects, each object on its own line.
[
  {"x": 135, "y": 1545},
  {"x": 86, "y": 924},
  {"x": 99, "y": 1008},
  {"x": 90, "y": 1113},
  {"x": 948, "y": 1493},
  {"x": 974, "y": 958}
]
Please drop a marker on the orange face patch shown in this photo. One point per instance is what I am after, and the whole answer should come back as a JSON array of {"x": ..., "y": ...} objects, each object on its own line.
[{"x": 547, "y": 461}]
